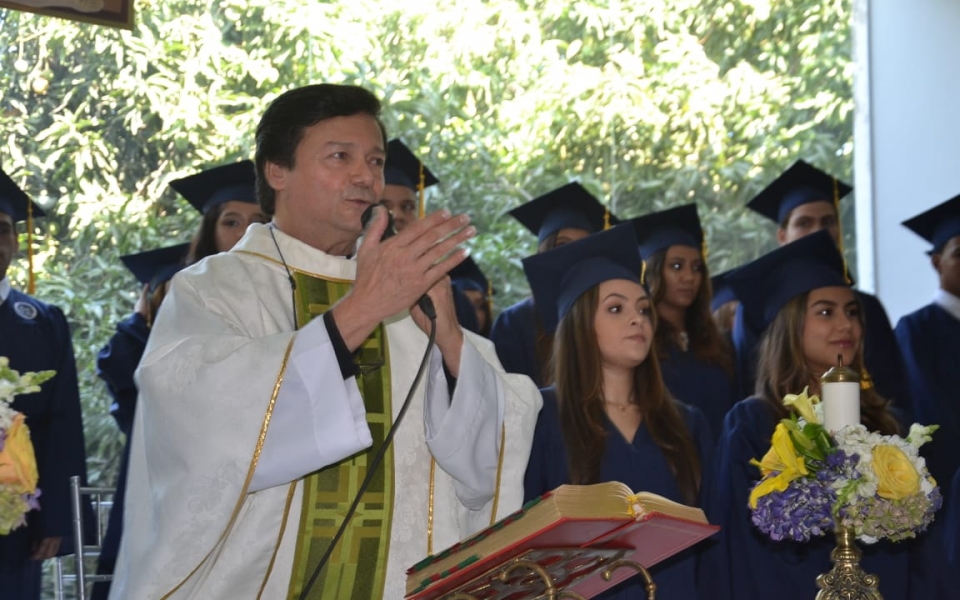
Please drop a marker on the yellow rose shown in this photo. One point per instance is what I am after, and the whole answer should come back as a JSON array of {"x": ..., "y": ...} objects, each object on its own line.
[
  {"x": 18, "y": 465},
  {"x": 896, "y": 476}
]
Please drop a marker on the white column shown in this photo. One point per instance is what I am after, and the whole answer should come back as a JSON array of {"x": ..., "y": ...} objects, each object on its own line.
[{"x": 907, "y": 139}]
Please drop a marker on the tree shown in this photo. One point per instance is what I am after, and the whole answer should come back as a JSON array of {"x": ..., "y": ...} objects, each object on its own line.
[{"x": 649, "y": 104}]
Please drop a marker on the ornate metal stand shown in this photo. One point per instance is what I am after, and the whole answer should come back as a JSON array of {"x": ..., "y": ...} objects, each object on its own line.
[
  {"x": 847, "y": 581},
  {"x": 544, "y": 575}
]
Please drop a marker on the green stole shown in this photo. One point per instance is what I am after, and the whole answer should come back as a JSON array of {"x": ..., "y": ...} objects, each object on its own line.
[{"x": 357, "y": 567}]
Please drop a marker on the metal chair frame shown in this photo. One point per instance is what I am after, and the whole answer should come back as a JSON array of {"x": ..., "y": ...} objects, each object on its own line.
[{"x": 101, "y": 507}]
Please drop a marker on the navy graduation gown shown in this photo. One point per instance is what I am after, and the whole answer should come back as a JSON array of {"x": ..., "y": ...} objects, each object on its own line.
[
  {"x": 697, "y": 383},
  {"x": 641, "y": 466},
  {"x": 514, "y": 334},
  {"x": 881, "y": 354},
  {"x": 35, "y": 337},
  {"x": 751, "y": 565},
  {"x": 930, "y": 341}
]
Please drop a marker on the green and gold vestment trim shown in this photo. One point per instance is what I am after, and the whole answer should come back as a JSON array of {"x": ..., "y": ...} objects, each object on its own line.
[{"x": 356, "y": 569}]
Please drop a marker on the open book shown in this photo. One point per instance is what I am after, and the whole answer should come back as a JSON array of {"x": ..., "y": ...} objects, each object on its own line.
[{"x": 604, "y": 516}]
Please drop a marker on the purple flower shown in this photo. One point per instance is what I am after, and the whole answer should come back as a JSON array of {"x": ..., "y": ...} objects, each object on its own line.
[{"x": 798, "y": 513}]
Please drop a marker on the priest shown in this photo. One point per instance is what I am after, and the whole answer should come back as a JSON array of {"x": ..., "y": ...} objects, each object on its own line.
[{"x": 258, "y": 424}]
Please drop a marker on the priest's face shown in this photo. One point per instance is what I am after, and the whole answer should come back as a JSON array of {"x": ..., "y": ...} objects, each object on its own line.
[
  {"x": 947, "y": 263},
  {"x": 8, "y": 242},
  {"x": 337, "y": 174}
]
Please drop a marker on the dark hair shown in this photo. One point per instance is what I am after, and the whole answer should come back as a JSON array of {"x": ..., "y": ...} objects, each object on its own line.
[
  {"x": 281, "y": 128},
  {"x": 782, "y": 369},
  {"x": 204, "y": 242},
  {"x": 578, "y": 377},
  {"x": 706, "y": 341}
]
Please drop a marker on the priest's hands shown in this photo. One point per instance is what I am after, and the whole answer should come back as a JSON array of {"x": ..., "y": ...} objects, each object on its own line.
[
  {"x": 449, "y": 332},
  {"x": 393, "y": 273}
]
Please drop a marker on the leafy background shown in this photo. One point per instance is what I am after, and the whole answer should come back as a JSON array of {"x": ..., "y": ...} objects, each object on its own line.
[{"x": 648, "y": 103}]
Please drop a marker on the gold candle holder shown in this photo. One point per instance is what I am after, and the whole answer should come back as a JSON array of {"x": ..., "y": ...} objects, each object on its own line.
[{"x": 846, "y": 580}]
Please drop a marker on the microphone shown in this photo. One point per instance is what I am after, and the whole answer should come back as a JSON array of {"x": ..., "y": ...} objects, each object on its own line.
[{"x": 424, "y": 302}]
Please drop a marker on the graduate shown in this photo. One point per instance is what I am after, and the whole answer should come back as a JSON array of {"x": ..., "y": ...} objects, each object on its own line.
[
  {"x": 116, "y": 363},
  {"x": 469, "y": 282},
  {"x": 405, "y": 179},
  {"x": 723, "y": 304},
  {"x": 609, "y": 416},
  {"x": 226, "y": 197},
  {"x": 695, "y": 358},
  {"x": 801, "y": 201},
  {"x": 800, "y": 294},
  {"x": 35, "y": 336},
  {"x": 561, "y": 216},
  {"x": 930, "y": 340}
]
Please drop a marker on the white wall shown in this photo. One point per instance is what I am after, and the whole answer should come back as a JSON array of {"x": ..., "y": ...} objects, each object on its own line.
[{"x": 907, "y": 139}]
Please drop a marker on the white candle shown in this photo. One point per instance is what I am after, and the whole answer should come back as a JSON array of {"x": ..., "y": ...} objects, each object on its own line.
[{"x": 841, "y": 404}]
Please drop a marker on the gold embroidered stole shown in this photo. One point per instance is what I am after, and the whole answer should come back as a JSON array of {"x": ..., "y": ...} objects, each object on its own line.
[{"x": 356, "y": 569}]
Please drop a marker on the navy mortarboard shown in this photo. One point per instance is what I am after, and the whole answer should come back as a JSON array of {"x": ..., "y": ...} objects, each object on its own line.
[
  {"x": 767, "y": 284},
  {"x": 227, "y": 183},
  {"x": 560, "y": 276},
  {"x": 722, "y": 290},
  {"x": 404, "y": 168},
  {"x": 155, "y": 267},
  {"x": 679, "y": 226},
  {"x": 468, "y": 276},
  {"x": 15, "y": 202},
  {"x": 800, "y": 184},
  {"x": 569, "y": 206},
  {"x": 938, "y": 224}
]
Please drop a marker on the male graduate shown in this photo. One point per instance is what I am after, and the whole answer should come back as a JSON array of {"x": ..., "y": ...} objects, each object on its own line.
[
  {"x": 560, "y": 216},
  {"x": 257, "y": 422},
  {"x": 35, "y": 337},
  {"x": 405, "y": 179},
  {"x": 804, "y": 200},
  {"x": 930, "y": 341}
]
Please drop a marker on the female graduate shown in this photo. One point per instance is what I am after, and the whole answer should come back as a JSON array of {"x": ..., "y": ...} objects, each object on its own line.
[
  {"x": 227, "y": 198},
  {"x": 695, "y": 358},
  {"x": 800, "y": 293},
  {"x": 609, "y": 416},
  {"x": 561, "y": 216}
]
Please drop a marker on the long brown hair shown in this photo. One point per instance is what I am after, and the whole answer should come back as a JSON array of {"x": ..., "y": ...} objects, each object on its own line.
[
  {"x": 782, "y": 369},
  {"x": 706, "y": 341},
  {"x": 578, "y": 376}
]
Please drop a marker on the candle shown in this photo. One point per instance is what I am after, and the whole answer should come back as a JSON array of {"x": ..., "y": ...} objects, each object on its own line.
[{"x": 840, "y": 394}]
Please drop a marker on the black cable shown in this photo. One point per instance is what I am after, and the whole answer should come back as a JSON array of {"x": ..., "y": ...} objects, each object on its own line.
[{"x": 375, "y": 464}]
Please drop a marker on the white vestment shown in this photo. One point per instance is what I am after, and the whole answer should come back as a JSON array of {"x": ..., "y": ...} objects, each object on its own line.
[{"x": 236, "y": 407}]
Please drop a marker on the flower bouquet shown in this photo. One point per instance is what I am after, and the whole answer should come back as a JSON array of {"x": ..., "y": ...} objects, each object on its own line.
[
  {"x": 18, "y": 465},
  {"x": 876, "y": 486}
]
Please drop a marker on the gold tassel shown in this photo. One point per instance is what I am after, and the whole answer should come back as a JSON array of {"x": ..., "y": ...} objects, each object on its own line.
[
  {"x": 704, "y": 249},
  {"x": 31, "y": 277},
  {"x": 866, "y": 381},
  {"x": 490, "y": 299},
  {"x": 420, "y": 189},
  {"x": 606, "y": 219},
  {"x": 643, "y": 272}
]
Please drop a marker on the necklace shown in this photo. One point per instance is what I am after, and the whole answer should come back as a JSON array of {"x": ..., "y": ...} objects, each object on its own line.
[
  {"x": 623, "y": 407},
  {"x": 684, "y": 341}
]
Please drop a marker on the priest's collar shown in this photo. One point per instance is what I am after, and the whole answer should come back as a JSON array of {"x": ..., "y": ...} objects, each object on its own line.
[{"x": 948, "y": 302}]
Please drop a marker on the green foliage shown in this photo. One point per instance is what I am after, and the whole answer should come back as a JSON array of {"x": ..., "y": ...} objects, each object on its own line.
[{"x": 649, "y": 104}]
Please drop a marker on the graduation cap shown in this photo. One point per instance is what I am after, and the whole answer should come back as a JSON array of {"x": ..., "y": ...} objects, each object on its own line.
[
  {"x": 767, "y": 284},
  {"x": 213, "y": 187},
  {"x": 15, "y": 202},
  {"x": 938, "y": 224},
  {"x": 567, "y": 206},
  {"x": 560, "y": 276},
  {"x": 722, "y": 290},
  {"x": 679, "y": 226},
  {"x": 156, "y": 267},
  {"x": 801, "y": 184},
  {"x": 468, "y": 276},
  {"x": 404, "y": 168}
]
